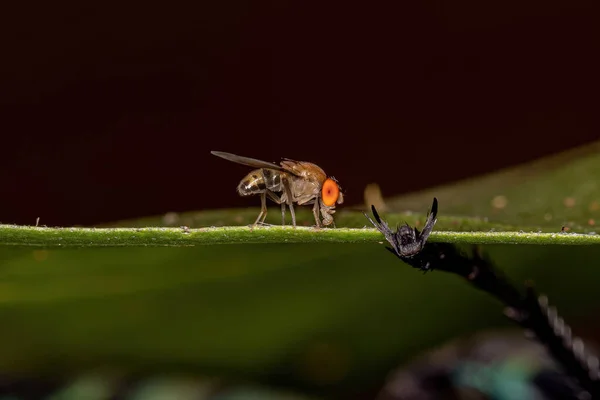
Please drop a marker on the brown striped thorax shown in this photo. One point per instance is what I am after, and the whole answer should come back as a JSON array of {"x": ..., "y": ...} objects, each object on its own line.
[{"x": 299, "y": 182}]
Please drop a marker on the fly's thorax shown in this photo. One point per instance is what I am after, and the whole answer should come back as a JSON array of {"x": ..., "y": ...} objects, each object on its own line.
[
  {"x": 305, "y": 169},
  {"x": 303, "y": 188}
]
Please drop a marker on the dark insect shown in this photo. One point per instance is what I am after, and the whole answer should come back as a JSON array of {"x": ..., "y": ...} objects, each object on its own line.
[
  {"x": 527, "y": 309},
  {"x": 407, "y": 242}
]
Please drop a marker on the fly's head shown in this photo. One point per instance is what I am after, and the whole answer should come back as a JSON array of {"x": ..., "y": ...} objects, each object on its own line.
[{"x": 331, "y": 195}]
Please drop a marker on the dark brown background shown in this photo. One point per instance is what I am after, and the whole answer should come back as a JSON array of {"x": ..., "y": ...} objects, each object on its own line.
[{"x": 109, "y": 111}]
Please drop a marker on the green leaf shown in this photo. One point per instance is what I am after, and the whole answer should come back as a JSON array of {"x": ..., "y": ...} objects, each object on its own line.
[
  {"x": 317, "y": 314},
  {"x": 181, "y": 237}
]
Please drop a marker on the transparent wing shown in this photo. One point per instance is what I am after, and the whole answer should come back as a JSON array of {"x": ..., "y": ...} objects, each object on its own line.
[{"x": 251, "y": 162}]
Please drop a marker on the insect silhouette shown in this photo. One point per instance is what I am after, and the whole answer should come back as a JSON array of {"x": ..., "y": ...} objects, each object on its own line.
[
  {"x": 299, "y": 182},
  {"x": 406, "y": 242}
]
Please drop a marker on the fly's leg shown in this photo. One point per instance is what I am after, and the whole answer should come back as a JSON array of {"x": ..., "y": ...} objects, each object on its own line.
[
  {"x": 277, "y": 199},
  {"x": 263, "y": 209},
  {"x": 289, "y": 198},
  {"x": 316, "y": 213}
]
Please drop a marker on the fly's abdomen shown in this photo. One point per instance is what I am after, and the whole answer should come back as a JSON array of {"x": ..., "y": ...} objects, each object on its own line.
[
  {"x": 258, "y": 181},
  {"x": 253, "y": 183}
]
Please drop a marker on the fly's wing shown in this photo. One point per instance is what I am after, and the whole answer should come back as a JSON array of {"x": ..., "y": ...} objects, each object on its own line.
[
  {"x": 306, "y": 170},
  {"x": 251, "y": 162}
]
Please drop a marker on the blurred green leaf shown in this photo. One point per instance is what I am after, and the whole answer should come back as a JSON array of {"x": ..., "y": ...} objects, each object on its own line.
[{"x": 559, "y": 190}]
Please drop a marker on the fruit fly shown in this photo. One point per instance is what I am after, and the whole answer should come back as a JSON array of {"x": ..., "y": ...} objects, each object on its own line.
[{"x": 290, "y": 182}]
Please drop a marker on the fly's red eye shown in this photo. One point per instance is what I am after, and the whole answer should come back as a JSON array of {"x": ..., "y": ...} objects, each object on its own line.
[{"x": 330, "y": 192}]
